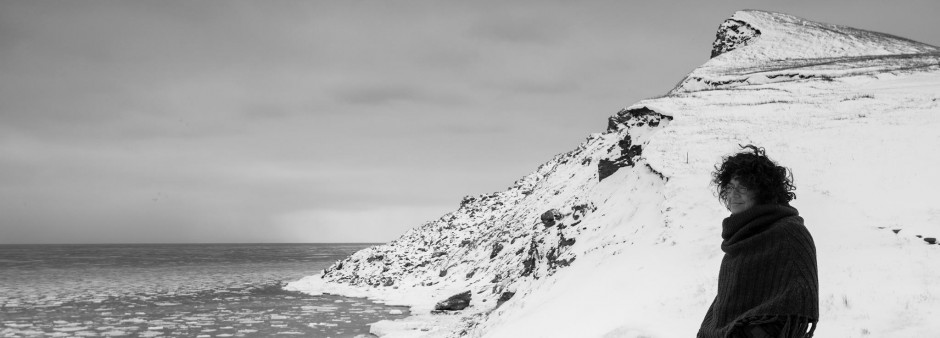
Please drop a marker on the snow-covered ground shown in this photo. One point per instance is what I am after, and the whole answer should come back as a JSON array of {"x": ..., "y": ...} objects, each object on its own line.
[{"x": 854, "y": 114}]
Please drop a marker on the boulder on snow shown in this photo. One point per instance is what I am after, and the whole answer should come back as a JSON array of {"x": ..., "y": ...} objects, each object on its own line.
[
  {"x": 504, "y": 297},
  {"x": 454, "y": 303},
  {"x": 931, "y": 240},
  {"x": 496, "y": 249},
  {"x": 550, "y": 216}
]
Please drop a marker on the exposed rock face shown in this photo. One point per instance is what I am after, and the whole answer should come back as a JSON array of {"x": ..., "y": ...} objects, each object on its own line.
[
  {"x": 506, "y": 296},
  {"x": 549, "y": 217},
  {"x": 454, "y": 303},
  {"x": 496, "y": 249},
  {"x": 732, "y": 34},
  {"x": 629, "y": 151}
]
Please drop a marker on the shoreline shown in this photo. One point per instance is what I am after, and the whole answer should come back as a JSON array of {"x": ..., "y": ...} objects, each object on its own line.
[{"x": 420, "y": 301}]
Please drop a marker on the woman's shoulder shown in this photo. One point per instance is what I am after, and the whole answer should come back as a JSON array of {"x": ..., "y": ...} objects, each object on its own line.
[{"x": 793, "y": 227}]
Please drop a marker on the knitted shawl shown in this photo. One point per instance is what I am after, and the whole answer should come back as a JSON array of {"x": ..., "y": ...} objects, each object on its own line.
[{"x": 768, "y": 274}]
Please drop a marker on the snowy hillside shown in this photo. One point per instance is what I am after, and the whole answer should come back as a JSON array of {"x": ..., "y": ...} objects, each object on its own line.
[{"x": 620, "y": 237}]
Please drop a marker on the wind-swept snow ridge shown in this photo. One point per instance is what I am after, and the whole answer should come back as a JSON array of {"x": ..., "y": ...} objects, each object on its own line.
[
  {"x": 754, "y": 47},
  {"x": 620, "y": 237}
]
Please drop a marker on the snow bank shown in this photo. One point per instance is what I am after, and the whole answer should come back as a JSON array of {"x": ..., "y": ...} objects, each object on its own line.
[{"x": 620, "y": 237}]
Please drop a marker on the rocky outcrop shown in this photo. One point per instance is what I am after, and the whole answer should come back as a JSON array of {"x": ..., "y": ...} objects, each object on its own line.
[
  {"x": 456, "y": 302},
  {"x": 629, "y": 150},
  {"x": 549, "y": 217},
  {"x": 732, "y": 34}
]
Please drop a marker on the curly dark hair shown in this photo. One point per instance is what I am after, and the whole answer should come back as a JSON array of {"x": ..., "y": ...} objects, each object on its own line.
[{"x": 753, "y": 169}]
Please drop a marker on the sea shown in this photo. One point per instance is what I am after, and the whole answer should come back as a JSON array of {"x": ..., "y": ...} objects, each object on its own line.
[{"x": 176, "y": 290}]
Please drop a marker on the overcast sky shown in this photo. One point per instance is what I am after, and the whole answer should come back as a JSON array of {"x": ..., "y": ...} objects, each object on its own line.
[{"x": 324, "y": 121}]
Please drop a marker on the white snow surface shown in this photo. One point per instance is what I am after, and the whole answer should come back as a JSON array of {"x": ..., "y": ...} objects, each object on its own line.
[{"x": 854, "y": 114}]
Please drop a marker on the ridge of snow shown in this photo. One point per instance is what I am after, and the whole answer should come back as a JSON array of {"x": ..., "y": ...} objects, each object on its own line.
[
  {"x": 636, "y": 254},
  {"x": 789, "y": 48},
  {"x": 785, "y": 36}
]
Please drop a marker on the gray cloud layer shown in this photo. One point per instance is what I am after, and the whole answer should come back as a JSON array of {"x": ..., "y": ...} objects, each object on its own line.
[{"x": 238, "y": 121}]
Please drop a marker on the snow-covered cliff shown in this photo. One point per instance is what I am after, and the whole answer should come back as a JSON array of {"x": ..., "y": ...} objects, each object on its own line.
[{"x": 620, "y": 236}]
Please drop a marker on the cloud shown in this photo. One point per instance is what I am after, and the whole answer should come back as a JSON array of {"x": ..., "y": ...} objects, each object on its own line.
[
  {"x": 520, "y": 29},
  {"x": 382, "y": 94},
  {"x": 374, "y": 225}
]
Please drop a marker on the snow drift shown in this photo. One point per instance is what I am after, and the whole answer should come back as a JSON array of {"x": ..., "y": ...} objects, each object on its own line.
[{"x": 620, "y": 236}]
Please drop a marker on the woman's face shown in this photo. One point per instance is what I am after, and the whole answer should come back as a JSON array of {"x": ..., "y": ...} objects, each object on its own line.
[{"x": 738, "y": 197}]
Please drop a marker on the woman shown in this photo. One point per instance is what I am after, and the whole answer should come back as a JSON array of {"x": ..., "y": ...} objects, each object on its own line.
[{"x": 767, "y": 283}]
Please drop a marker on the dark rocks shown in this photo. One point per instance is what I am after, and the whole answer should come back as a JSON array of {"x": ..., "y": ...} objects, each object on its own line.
[
  {"x": 629, "y": 152},
  {"x": 732, "y": 34},
  {"x": 579, "y": 210},
  {"x": 656, "y": 172},
  {"x": 439, "y": 254},
  {"x": 504, "y": 297},
  {"x": 528, "y": 265},
  {"x": 375, "y": 258},
  {"x": 496, "y": 249},
  {"x": 896, "y": 230},
  {"x": 605, "y": 168},
  {"x": 930, "y": 240},
  {"x": 564, "y": 262},
  {"x": 443, "y": 273},
  {"x": 454, "y": 303},
  {"x": 467, "y": 200},
  {"x": 550, "y": 217},
  {"x": 636, "y": 117}
]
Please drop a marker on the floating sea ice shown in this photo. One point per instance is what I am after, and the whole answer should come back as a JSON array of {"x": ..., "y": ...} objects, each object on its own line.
[
  {"x": 295, "y": 333},
  {"x": 16, "y": 325},
  {"x": 395, "y": 312},
  {"x": 275, "y": 317},
  {"x": 338, "y": 301},
  {"x": 149, "y": 334},
  {"x": 70, "y": 328},
  {"x": 224, "y": 335},
  {"x": 280, "y": 326},
  {"x": 247, "y": 331},
  {"x": 209, "y": 330},
  {"x": 318, "y": 308},
  {"x": 203, "y": 336},
  {"x": 322, "y": 324},
  {"x": 113, "y": 333},
  {"x": 20, "y": 333}
]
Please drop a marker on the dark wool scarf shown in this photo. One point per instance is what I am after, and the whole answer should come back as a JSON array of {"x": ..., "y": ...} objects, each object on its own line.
[{"x": 768, "y": 275}]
